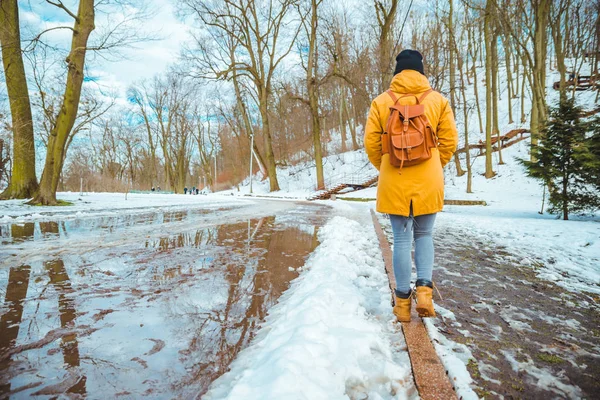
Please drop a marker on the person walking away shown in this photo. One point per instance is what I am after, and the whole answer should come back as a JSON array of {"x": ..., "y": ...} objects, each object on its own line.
[
  {"x": 410, "y": 136},
  {"x": 185, "y": 190}
]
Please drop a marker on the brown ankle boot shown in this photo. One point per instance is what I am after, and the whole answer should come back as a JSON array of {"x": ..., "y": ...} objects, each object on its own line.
[
  {"x": 424, "y": 302},
  {"x": 402, "y": 309}
]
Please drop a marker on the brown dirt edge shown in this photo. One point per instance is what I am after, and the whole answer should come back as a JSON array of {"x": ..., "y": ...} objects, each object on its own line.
[{"x": 429, "y": 373}]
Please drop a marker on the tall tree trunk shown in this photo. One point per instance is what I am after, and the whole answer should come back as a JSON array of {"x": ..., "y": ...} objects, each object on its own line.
[
  {"x": 385, "y": 19},
  {"x": 466, "y": 68},
  {"x": 84, "y": 25},
  {"x": 565, "y": 196},
  {"x": 351, "y": 123},
  {"x": 167, "y": 167},
  {"x": 452, "y": 56},
  {"x": 313, "y": 96},
  {"x": 538, "y": 113},
  {"x": 557, "y": 38},
  {"x": 343, "y": 121},
  {"x": 489, "y": 172},
  {"x": 515, "y": 90},
  {"x": 153, "y": 177},
  {"x": 495, "y": 93},
  {"x": 524, "y": 78},
  {"x": 23, "y": 182},
  {"x": 473, "y": 45},
  {"x": 270, "y": 155},
  {"x": 509, "y": 78},
  {"x": 244, "y": 112},
  {"x": 463, "y": 90}
]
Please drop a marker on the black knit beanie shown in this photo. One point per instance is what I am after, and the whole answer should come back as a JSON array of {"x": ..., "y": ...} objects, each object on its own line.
[{"x": 409, "y": 59}]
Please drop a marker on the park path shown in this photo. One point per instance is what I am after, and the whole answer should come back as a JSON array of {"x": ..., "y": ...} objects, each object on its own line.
[{"x": 528, "y": 337}]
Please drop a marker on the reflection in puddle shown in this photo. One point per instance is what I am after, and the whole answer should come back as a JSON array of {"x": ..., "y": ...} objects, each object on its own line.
[
  {"x": 16, "y": 291},
  {"x": 21, "y": 232},
  {"x": 163, "y": 318},
  {"x": 66, "y": 309}
]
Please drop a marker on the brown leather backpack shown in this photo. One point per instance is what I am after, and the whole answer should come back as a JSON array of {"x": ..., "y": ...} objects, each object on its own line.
[{"x": 408, "y": 137}]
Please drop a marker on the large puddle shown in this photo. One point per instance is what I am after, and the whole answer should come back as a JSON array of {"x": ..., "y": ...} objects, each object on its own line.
[{"x": 159, "y": 312}]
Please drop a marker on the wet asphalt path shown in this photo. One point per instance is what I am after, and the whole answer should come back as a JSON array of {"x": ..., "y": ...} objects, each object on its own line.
[{"x": 530, "y": 339}]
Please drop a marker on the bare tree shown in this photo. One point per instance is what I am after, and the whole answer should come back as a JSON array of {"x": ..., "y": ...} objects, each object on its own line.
[
  {"x": 489, "y": 92},
  {"x": 258, "y": 29},
  {"x": 115, "y": 35},
  {"x": 313, "y": 82},
  {"x": 386, "y": 16},
  {"x": 452, "y": 55},
  {"x": 527, "y": 22},
  {"x": 23, "y": 182},
  {"x": 139, "y": 95}
]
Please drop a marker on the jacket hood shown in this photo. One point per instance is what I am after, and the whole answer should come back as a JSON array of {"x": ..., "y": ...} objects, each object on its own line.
[{"x": 409, "y": 81}]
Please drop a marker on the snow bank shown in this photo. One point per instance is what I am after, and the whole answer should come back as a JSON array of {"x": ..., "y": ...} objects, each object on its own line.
[{"x": 320, "y": 342}]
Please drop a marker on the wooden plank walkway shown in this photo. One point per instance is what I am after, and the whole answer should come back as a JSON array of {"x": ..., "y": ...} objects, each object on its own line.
[{"x": 429, "y": 373}]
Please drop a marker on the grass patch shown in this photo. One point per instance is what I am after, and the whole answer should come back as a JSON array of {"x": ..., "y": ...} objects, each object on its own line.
[
  {"x": 518, "y": 388},
  {"x": 550, "y": 358},
  {"x": 482, "y": 393},
  {"x": 473, "y": 369},
  {"x": 59, "y": 203}
]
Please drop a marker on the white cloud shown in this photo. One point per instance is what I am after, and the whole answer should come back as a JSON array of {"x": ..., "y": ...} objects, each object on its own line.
[{"x": 149, "y": 58}]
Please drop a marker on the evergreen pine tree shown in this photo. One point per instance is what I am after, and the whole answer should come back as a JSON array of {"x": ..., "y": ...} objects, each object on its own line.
[{"x": 567, "y": 159}]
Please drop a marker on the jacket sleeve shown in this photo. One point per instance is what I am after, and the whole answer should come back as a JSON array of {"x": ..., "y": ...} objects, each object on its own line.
[
  {"x": 373, "y": 132},
  {"x": 447, "y": 134}
]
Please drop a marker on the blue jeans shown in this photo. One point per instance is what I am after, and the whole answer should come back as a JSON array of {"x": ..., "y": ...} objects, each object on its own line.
[{"x": 403, "y": 228}]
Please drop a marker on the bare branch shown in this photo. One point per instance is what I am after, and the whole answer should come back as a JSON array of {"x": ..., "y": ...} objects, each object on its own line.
[{"x": 60, "y": 5}]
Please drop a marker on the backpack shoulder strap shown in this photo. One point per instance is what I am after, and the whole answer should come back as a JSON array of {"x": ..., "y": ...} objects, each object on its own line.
[
  {"x": 420, "y": 99},
  {"x": 392, "y": 95}
]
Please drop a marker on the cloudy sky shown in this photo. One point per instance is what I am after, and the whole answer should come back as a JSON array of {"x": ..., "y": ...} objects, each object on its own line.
[{"x": 111, "y": 71}]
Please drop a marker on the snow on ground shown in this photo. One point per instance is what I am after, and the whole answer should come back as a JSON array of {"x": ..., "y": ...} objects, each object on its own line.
[
  {"x": 107, "y": 204},
  {"x": 332, "y": 335}
]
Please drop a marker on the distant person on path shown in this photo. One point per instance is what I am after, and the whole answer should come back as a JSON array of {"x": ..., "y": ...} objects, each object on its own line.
[
  {"x": 419, "y": 141},
  {"x": 185, "y": 190}
]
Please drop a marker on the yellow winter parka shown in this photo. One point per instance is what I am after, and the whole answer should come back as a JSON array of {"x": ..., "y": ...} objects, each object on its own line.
[{"x": 421, "y": 184}]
